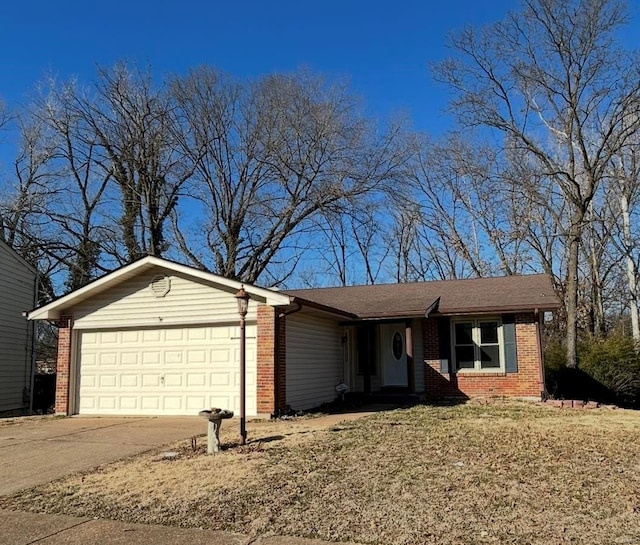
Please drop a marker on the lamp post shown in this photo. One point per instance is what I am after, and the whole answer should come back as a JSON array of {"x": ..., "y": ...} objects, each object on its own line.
[{"x": 243, "y": 306}]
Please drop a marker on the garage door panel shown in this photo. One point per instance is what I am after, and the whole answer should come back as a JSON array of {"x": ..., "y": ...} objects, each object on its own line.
[
  {"x": 172, "y": 404},
  {"x": 128, "y": 359},
  {"x": 173, "y": 379},
  {"x": 88, "y": 381},
  {"x": 151, "y": 335},
  {"x": 151, "y": 357},
  {"x": 196, "y": 403},
  {"x": 150, "y": 380},
  {"x": 107, "y": 381},
  {"x": 222, "y": 355},
  {"x": 129, "y": 381},
  {"x": 173, "y": 357},
  {"x": 128, "y": 403},
  {"x": 107, "y": 402},
  {"x": 89, "y": 338},
  {"x": 107, "y": 359},
  {"x": 150, "y": 403},
  {"x": 163, "y": 371},
  {"x": 109, "y": 337},
  {"x": 174, "y": 335},
  {"x": 130, "y": 337},
  {"x": 197, "y": 334},
  {"x": 220, "y": 379}
]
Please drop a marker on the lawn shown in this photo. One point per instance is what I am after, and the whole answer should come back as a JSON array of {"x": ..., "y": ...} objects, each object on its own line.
[{"x": 499, "y": 473}]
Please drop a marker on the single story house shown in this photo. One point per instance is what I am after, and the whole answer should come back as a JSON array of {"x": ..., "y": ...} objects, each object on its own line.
[
  {"x": 17, "y": 292},
  {"x": 160, "y": 338}
]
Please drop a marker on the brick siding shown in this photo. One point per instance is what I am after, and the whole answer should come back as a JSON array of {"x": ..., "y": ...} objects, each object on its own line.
[
  {"x": 63, "y": 369},
  {"x": 525, "y": 383},
  {"x": 271, "y": 358}
]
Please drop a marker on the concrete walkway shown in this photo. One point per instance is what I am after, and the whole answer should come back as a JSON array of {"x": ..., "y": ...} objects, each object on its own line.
[{"x": 18, "y": 528}]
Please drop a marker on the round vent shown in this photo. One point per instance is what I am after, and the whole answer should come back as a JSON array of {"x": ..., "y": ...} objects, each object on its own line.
[{"x": 160, "y": 286}]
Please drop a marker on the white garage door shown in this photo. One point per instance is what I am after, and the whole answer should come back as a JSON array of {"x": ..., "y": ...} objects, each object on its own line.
[{"x": 166, "y": 371}]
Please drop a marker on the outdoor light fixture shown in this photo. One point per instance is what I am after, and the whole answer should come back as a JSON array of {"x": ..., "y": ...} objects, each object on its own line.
[
  {"x": 243, "y": 301},
  {"x": 243, "y": 306}
]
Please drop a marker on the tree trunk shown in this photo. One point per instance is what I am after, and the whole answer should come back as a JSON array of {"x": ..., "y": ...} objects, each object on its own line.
[
  {"x": 572, "y": 290},
  {"x": 631, "y": 269},
  {"x": 598, "y": 322}
]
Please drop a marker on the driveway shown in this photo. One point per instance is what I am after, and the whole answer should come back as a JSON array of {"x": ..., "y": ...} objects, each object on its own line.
[{"x": 37, "y": 450}]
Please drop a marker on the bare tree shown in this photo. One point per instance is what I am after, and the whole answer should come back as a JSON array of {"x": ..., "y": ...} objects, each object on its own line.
[
  {"x": 623, "y": 199},
  {"x": 27, "y": 189},
  {"x": 270, "y": 156},
  {"x": 78, "y": 207},
  {"x": 551, "y": 79},
  {"x": 133, "y": 142},
  {"x": 27, "y": 193},
  {"x": 352, "y": 240}
]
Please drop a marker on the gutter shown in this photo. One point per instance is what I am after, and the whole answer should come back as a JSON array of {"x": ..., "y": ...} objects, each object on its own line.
[
  {"x": 318, "y": 306},
  {"x": 290, "y": 312}
]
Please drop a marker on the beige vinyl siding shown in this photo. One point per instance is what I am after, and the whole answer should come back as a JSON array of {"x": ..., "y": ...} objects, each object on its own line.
[
  {"x": 418, "y": 353},
  {"x": 314, "y": 360},
  {"x": 17, "y": 285},
  {"x": 133, "y": 304}
]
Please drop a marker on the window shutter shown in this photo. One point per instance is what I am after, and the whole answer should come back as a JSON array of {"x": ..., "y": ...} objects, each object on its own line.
[
  {"x": 510, "y": 349},
  {"x": 444, "y": 341}
]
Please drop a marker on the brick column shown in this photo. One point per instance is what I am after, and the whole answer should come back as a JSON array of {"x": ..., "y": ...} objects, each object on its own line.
[
  {"x": 63, "y": 365},
  {"x": 281, "y": 364},
  {"x": 271, "y": 361}
]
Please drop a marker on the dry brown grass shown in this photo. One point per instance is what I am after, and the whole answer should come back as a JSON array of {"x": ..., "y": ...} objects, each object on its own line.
[{"x": 504, "y": 473}]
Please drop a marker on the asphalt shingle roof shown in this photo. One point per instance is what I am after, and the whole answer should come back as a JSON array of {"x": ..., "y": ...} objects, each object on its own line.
[{"x": 470, "y": 296}]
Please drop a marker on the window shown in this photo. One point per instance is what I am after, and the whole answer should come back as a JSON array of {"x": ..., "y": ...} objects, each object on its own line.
[
  {"x": 397, "y": 346},
  {"x": 478, "y": 345}
]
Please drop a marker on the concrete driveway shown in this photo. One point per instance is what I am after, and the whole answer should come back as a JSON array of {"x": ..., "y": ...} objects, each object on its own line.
[{"x": 37, "y": 450}]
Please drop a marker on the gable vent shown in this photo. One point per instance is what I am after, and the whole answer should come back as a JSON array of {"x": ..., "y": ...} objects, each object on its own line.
[{"x": 160, "y": 286}]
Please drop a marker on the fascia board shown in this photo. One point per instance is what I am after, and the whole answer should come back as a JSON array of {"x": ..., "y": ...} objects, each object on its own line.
[{"x": 51, "y": 311}]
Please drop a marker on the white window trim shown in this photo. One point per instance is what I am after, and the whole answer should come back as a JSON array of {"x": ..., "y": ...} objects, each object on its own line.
[{"x": 477, "y": 369}]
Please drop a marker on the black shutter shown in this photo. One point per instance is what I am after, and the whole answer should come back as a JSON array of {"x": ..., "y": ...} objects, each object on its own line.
[
  {"x": 444, "y": 341},
  {"x": 510, "y": 348}
]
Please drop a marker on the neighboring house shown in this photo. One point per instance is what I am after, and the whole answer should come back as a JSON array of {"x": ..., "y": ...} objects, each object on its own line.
[
  {"x": 156, "y": 337},
  {"x": 17, "y": 293}
]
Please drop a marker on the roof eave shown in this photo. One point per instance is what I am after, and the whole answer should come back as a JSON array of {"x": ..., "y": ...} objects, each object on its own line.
[
  {"x": 54, "y": 309},
  {"x": 323, "y": 308},
  {"x": 498, "y": 309}
]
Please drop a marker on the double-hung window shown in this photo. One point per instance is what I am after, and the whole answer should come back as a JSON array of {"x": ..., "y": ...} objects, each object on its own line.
[{"x": 478, "y": 344}]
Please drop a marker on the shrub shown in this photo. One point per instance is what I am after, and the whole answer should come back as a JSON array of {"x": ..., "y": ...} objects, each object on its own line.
[
  {"x": 615, "y": 363},
  {"x": 608, "y": 371}
]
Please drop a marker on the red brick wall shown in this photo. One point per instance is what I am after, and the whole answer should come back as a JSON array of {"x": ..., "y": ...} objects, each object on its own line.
[
  {"x": 525, "y": 383},
  {"x": 63, "y": 369},
  {"x": 271, "y": 361},
  {"x": 281, "y": 364}
]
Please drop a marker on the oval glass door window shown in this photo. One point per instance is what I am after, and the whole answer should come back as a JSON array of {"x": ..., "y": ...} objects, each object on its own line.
[{"x": 396, "y": 345}]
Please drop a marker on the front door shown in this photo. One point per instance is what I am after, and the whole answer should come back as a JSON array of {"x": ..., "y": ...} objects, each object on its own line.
[{"x": 393, "y": 354}]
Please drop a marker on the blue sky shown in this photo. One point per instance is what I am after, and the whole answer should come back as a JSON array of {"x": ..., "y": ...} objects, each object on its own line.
[{"x": 383, "y": 48}]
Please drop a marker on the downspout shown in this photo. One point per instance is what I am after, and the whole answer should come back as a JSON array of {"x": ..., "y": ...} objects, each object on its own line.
[
  {"x": 290, "y": 312},
  {"x": 279, "y": 363}
]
